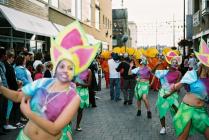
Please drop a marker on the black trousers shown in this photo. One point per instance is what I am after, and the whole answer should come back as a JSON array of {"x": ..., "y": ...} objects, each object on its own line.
[
  {"x": 15, "y": 114},
  {"x": 92, "y": 100},
  {"x": 3, "y": 110}
]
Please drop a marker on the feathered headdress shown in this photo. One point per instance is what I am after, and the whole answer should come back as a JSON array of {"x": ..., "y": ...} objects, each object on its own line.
[
  {"x": 173, "y": 55},
  {"x": 203, "y": 54},
  {"x": 72, "y": 44}
]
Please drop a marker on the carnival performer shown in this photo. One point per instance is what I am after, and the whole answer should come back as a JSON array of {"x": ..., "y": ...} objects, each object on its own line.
[
  {"x": 51, "y": 103},
  {"x": 152, "y": 62},
  {"x": 83, "y": 81},
  {"x": 168, "y": 77},
  {"x": 142, "y": 86},
  {"x": 192, "y": 115}
]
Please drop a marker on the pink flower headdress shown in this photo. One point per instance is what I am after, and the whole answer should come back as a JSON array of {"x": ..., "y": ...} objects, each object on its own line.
[{"x": 72, "y": 44}]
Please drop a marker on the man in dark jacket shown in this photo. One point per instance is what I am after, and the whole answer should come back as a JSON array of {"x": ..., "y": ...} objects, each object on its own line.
[
  {"x": 14, "y": 117},
  {"x": 129, "y": 80},
  {"x": 3, "y": 100}
]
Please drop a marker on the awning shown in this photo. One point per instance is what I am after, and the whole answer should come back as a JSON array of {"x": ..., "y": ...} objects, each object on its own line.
[{"x": 27, "y": 23}]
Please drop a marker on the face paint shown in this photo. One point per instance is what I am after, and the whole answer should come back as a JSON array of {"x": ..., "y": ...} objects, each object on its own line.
[
  {"x": 174, "y": 63},
  {"x": 65, "y": 71}
]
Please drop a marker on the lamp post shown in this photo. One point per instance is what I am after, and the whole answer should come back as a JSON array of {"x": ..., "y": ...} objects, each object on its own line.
[
  {"x": 184, "y": 52},
  {"x": 124, "y": 40}
]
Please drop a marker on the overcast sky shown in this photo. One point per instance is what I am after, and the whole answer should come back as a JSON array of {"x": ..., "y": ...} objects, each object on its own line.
[{"x": 152, "y": 15}]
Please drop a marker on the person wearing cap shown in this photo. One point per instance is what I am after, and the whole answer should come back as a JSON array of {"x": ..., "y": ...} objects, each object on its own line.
[
  {"x": 192, "y": 114},
  {"x": 167, "y": 78}
]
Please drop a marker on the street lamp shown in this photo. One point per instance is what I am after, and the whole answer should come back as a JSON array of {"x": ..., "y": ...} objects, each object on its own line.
[{"x": 124, "y": 40}]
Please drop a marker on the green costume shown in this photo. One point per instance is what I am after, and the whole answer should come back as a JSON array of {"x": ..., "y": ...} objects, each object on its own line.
[
  {"x": 84, "y": 95},
  {"x": 198, "y": 115},
  {"x": 141, "y": 88},
  {"x": 164, "y": 104}
]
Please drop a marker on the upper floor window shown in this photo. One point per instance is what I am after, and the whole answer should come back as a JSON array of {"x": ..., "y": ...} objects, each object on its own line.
[
  {"x": 79, "y": 9},
  {"x": 54, "y": 3},
  {"x": 97, "y": 18},
  {"x": 3, "y": 1},
  {"x": 205, "y": 4}
]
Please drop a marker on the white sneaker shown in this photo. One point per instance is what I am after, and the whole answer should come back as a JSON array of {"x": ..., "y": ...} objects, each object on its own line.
[
  {"x": 9, "y": 127},
  {"x": 162, "y": 131},
  {"x": 19, "y": 125}
]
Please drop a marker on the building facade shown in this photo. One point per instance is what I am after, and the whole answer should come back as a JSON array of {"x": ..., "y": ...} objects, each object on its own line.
[
  {"x": 119, "y": 27},
  {"x": 133, "y": 34},
  {"x": 30, "y": 23},
  {"x": 200, "y": 9}
]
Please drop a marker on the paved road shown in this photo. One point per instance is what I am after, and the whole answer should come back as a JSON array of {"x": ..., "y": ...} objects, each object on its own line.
[{"x": 114, "y": 121}]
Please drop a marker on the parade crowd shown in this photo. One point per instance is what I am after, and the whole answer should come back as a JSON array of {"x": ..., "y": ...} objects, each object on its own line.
[{"x": 41, "y": 94}]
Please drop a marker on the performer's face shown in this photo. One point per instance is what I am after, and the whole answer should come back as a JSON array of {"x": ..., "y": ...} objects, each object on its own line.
[
  {"x": 65, "y": 71},
  {"x": 174, "y": 63}
]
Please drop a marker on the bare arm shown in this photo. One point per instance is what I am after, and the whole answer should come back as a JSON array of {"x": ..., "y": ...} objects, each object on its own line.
[
  {"x": 131, "y": 65},
  {"x": 55, "y": 127},
  {"x": 13, "y": 95},
  {"x": 174, "y": 88}
]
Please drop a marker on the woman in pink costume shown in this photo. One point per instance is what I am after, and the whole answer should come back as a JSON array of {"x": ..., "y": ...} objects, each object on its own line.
[
  {"x": 167, "y": 78},
  {"x": 51, "y": 103}
]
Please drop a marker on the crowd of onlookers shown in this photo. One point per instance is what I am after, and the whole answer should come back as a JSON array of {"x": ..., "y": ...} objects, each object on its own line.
[{"x": 17, "y": 70}]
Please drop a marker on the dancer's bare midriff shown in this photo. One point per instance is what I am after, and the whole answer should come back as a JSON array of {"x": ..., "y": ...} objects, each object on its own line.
[
  {"x": 192, "y": 100},
  {"x": 34, "y": 132}
]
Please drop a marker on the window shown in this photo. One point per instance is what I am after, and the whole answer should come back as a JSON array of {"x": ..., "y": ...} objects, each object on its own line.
[
  {"x": 79, "y": 9},
  {"x": 73, "y": 7},
  {"x": 3, "y": 1},
  {"x": 76, "y": 9},
  {"x": 97, "y": 18},
  {"x": 90, "y": 8},
  {"x": 205, "y": 4},
  {"x": 55, "y": 3}
]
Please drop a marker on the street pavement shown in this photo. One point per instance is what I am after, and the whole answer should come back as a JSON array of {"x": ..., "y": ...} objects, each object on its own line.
[{"x": 112, "y": 120}]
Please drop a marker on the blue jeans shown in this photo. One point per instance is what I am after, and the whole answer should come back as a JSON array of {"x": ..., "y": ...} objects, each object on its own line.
[{"x": 115, "y": 88}]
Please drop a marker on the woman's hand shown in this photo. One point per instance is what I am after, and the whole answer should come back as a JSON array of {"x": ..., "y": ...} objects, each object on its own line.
[{"x": 25, "y": 106}]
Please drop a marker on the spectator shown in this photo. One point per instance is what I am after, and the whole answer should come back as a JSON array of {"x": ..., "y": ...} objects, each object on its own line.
[
  {"x": 114, "y": 77},
  {"x": 192, "y": 62},
  {"x": 129, "y": 80},
  {"x": 39, "y": 72},
  {"x": 13, "y": 109},
  {"x": 3, "y": 100},
  {"x": 22, "y": 73},
  {"x": 48, "y": 71}
]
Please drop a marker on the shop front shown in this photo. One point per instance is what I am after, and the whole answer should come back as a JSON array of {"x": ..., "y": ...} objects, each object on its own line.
[{"x": 19, "y": 30}]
